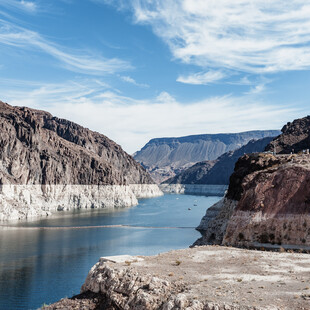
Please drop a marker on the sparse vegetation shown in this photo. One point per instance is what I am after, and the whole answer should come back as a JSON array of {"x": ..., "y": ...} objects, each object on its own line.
[{"x": 281, "y": 250}]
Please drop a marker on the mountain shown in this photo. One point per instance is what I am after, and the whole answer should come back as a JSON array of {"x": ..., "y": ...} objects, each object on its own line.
[
  {"x": 295, "y": 137},
  {"x": 268, "y": 199},
  {"x": 166, "y": 157},
  {"x": 218, "y": 171},
  {"x": 49, "y": 164}
]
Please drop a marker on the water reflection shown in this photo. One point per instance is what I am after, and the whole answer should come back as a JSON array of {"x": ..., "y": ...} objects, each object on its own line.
[{"x": 39, "y": 265}]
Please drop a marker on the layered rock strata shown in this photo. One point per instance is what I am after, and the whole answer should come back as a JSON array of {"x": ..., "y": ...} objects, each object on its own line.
[
  {"x": 218, "y": 171},
  {"x": 268, "y": 202},
  {"x": 166, "y": 157},
  {"x": 49, "y": 164}
]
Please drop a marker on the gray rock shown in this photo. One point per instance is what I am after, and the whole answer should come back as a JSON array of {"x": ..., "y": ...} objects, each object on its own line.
[
  {"x": 166, "y": 157},
  {"x": 49, "y": 164}
]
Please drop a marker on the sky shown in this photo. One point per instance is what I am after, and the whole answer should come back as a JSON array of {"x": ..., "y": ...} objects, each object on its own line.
[{"x": 134, "y": 70}]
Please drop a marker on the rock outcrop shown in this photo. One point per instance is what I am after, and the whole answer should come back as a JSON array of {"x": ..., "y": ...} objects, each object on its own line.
[
  {"x": 268, "y": 202},
  {"x": 295, "y": 137},
  {"x": 218, "y": 171},
  {"x": 201, "y": 278},
  {"x": 49, "y": 164},
  {"x": 268, "y": 198},
  {"x": 166, "y": 157}
]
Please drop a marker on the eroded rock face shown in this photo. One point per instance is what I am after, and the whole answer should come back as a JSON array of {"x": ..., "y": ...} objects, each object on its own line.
[
  {"x": 218, "y": 171},
  {"x": 166, "y": 157},
  {"x": 126, "y": 288},
  {"x": 200, "y": 278},
  {"x": 53, "y": 164},
  {"x": 213, "y": 225},
  {"x": 274, "y": 206},
  {"x": 37, "y": 148},
  {"x": 295, "y": 137},
  {"x": 268, "y": 201}
]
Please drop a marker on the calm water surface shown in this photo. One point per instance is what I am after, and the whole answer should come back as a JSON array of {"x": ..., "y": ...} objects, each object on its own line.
[{"x": 46, "y": 260}]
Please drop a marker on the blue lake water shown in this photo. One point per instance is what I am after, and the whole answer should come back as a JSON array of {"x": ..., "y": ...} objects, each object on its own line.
[{"x": 43, "y": 261}]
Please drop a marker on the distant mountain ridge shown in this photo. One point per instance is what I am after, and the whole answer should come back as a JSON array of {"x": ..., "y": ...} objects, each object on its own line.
[
  {"x": 218, "y": 171},
  {"x": 166, "y": 157}
]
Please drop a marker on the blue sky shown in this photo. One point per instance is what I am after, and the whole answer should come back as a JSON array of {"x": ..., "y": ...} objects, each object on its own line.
[{"x": 139, "y": 69}]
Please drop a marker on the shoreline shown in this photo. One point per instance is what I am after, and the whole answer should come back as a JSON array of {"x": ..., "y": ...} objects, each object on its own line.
[
  {"x": 206, "y": 277},
  {"x": 89, "y": 227},
  {"x": 23, "y": 202}
]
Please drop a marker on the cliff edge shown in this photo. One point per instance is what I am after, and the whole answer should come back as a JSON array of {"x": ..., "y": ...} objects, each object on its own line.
[
  {"x": 202, "y": 278},
  {"x": 267, "y": 203},
  {"x": 268, "y": 199},
  {"x": 49, "y": 164}
]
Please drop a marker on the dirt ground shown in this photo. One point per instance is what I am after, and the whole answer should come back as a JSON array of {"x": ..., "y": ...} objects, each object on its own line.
[
  {"x": 229, "y": 277},
  {"x": 236, "y": 276}
]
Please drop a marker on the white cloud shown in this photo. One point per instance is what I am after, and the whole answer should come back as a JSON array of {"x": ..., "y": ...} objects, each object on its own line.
[
  {"x": 29, "y": 6},
  {"x": 202, "y": 78},
  {"x": 251, "y": 36},
  {"x": 130, "y": 80},
  {"x": 26, "y": 6},
  {"x": 164, "y": 97},
  {"x": 131, "y": 122},
  {"x": 257, "y": 89},
  {"x": 73, "y": 60}
]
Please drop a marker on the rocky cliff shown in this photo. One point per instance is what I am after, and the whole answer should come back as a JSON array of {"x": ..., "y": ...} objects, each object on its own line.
[
  {"x": 268, "y": 202},
  {"x": 166, "y": 157},
  {"x": 218, "y": 171},
  {"x": 49, "y": 164},
  {"x": 295, "y": 137},
  {"x": 268, "y": 198}
]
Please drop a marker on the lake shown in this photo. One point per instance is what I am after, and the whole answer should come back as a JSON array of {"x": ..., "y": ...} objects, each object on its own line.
[{"x": 45, "y": 260}]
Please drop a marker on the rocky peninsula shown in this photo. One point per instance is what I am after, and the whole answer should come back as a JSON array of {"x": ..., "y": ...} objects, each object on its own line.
[
  {"x": 49, "y": 164},
  {"x": 201, "y": 278}
]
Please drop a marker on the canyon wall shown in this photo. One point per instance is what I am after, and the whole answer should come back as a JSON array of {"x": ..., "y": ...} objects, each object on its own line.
[
  {"x": 166, "y": 157},
  {"x": 218, "y": 171},
  {"x": 49, "y": 164},
  {"x": 267, "y": 203}
]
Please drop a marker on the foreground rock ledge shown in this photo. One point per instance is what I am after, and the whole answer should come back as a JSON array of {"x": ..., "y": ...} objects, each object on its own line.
[{"x": 207, "y": 277}]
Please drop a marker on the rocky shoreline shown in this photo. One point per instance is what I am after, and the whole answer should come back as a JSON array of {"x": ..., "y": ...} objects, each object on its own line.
[
  {"x": 194, "y": 189},
  {"x": 201, "y": 278},
  {"x": 21, "y": 202}
]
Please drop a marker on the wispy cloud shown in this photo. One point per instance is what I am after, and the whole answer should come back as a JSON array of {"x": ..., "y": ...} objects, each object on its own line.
[
  {"x": 73, "y": 60},
  {"x": 257, "y": 89},
  {"x": 130, "y": 80},
  {"x": 132, "y": 122},
  {"x": 22, "y": 5},
  {"x": 202, "y": 78},
  {"x": 244, "y": 35}
]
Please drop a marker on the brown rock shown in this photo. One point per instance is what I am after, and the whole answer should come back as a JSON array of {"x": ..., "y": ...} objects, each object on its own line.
[{"x": 37, "y": 148}]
